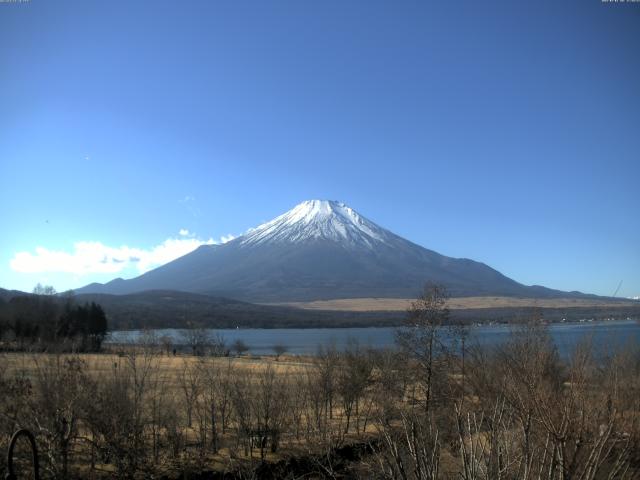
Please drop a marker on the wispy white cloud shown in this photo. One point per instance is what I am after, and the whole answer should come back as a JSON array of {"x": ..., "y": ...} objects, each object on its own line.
[
  {"x": 95, "y": 257},
  {"x": 184, "y": 232},
  {"x": 190, "y": 203},
  {"x": 226, "y": 238}
]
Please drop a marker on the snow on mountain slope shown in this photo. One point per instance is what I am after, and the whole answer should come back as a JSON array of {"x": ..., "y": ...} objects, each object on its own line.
[{"x": 316, "y": 220}]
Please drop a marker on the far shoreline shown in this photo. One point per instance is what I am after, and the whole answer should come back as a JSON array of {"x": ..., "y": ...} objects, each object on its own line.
[{"x": 486, "y": 324}]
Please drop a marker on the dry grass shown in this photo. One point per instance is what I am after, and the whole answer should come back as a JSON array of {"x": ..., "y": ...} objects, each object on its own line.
[
  {"x": 460, "y": 303},
  {"x": 170, "y": 366},
  {"x": 169, "y": 369}
]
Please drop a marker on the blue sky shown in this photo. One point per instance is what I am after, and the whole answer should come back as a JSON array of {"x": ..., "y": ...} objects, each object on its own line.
[{"x": 506, "y": 132}]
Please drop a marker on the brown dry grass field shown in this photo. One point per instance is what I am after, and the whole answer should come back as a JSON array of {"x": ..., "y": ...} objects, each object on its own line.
[
  {"x": 460, "y": 303},
  {"x": 170, "y": 366},
  {"x": 170, "y": 372},
  {"x": 170, "y": 369}
]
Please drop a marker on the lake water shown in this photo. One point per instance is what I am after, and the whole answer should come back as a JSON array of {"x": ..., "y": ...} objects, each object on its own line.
[{"x": 606, "y": 335}]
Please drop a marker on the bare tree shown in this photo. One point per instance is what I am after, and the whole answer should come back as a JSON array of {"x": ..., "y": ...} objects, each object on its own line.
[
  {"x": 354, "y": 376},
  {"x": 40, "y": 289},
  {"x": 240, "y": 347},
  {"x": 17, "y": 389},
  {"x": 410, "y": 451},
  {"x": 167, "y": 344},
  {"x": 279, "y": 349},
  {"x": 240, "y": 395},
  {"x": 271, "y": 405},
  {"x": 421, "y": 336},
  {"x": 551, "y": 420},
  {"x": 160, "y": 409},
  {"x": 190, "y": 385},
  {"x": 197, "y": 338},
  {"x": 215, "y": 397},
  {"x": 55, "y": 408},
  {"x": 326, "y": 363},
  {"x": 116, "y": 411}
]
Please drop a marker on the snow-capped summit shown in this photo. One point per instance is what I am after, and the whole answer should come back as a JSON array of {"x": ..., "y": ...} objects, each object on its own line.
[{"x": 318, "y": 220}]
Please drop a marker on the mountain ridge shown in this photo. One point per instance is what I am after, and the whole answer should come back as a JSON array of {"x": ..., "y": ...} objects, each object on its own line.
[{"x": 321, "y": 250}]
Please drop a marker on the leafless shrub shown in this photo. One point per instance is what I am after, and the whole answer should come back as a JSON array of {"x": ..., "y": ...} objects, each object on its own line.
[
  {"x": 410, "y": 451},
  {"x": 54, "y": 409},
  {"x": 354, "y": 376},
  {"x": 260, "y": 410},
  {"x": 279, "y": 349},
  {"x": 555, "y": 421},
  {"x": 240, "y": 347},
  {"x": 213, "y": 403},
  {"x": 190, "y": 386},
  {"x": 421, "y": 339},
  {"x": 16, "y": 390},
  {"x": 116, "y": 412}
]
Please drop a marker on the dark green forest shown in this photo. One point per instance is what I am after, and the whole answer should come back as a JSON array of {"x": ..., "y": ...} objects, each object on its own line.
[{"x": 43, "y": 319}]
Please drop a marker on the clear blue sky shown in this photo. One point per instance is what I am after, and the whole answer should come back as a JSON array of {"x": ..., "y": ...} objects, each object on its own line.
[{"x": 507, "y": 132}]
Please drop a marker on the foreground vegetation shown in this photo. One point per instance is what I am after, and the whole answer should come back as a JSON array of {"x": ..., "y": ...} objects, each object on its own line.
[{"x": 423, "y": 411}]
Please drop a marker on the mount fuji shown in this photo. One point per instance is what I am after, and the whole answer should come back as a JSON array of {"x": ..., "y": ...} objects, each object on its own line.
[{"x": 321, "y": 250}]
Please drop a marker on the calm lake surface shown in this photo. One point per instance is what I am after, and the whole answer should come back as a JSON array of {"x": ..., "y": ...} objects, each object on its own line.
[{"x": 604, "y": 335}]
